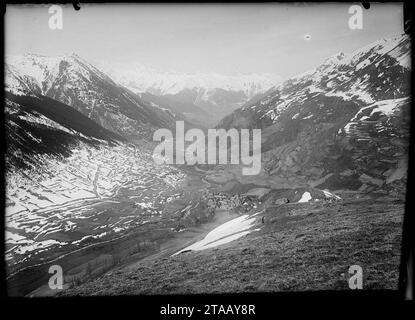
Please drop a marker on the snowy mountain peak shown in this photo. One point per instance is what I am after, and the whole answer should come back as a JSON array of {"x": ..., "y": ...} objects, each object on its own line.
[
  {"x": 44, "y": 71},
  {"x": 396, "y": 47},
  {"x": 376, "y": 72},
  {"x": 75, "y": 82}
]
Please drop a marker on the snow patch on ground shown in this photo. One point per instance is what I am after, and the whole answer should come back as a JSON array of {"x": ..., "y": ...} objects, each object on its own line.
[
  {"x": 387, "y": 107},
  {"x": 330, "y": 195},
  {"x": 305, "y": 197},
  {"x": 225, "y": 233}
]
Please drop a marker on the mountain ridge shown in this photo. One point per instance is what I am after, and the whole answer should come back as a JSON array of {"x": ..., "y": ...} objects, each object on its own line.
[
  {"x": 342, "y": 124},
  {"x": 79, "y": 84}
]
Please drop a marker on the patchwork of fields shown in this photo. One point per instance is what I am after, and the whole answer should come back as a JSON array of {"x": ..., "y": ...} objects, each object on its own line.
[{"x": 94, "y": 194}]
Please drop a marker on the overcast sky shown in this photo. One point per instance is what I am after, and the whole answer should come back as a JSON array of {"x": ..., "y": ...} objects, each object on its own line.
[{"x": 215, "y": 38}]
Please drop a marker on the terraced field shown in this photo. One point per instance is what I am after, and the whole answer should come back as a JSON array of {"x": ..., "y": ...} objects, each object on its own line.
[{"x": 95, "y": 195}]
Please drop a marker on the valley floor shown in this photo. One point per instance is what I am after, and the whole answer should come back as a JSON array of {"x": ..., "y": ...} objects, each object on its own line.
[{"x": 295, "y": 247}]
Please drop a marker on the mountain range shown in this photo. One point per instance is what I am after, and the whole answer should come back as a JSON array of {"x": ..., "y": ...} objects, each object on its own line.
[
  {"x": 347, "y": 120},
  {"x": 77, "y": 83},
  {"x": 216, "y": 94},
  {"x": 202, "y": 99},
  {"x": 78, "y": 163}
]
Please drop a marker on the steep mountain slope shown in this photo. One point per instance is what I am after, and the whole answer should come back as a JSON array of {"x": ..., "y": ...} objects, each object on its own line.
[
  {"x": 38, "y": 126},
  {"x": 344, "y": 124},
  {"x": 73, "y": 81},
  {"x": 216, "y": 94}
]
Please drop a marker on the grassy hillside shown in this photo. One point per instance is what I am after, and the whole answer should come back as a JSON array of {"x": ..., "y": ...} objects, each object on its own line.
[{"x": 300, "y": 246}]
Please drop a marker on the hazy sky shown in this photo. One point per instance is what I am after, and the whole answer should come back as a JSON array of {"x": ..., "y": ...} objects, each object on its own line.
[{"x": 215, "y": 38}]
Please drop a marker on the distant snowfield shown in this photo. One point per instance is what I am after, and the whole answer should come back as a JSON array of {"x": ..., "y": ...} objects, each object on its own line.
[
  {"x": 225, "y": 233},
  {"x": 139, "y": 78}
]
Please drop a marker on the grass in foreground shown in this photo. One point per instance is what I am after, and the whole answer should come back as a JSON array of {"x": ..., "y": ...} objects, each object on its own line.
[{"x": 307, "y": 246}]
